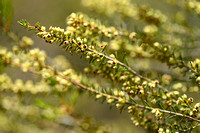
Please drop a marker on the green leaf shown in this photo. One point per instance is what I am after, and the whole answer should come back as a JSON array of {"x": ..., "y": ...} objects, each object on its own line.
[{"x": 5, "y": 15}]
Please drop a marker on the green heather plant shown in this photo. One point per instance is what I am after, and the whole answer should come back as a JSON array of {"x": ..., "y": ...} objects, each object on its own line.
[{"x": 126, "y": 68}]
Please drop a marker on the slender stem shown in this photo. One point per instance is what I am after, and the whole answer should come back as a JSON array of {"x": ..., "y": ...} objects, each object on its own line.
[
  {"x": 192, "y": 128},
  {"x": 129, "y": 69},
  {"x": 103, "y": 94},
  {"x": 126, "y": 66},
  {"x": 116, "y": 98}
]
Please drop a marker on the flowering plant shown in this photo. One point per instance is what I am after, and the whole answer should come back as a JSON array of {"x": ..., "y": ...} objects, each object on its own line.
[{"x": 126, "y": 61}]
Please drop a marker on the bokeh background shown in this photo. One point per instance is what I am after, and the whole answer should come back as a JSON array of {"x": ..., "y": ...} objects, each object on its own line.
[{"x": 54, "y": 13}]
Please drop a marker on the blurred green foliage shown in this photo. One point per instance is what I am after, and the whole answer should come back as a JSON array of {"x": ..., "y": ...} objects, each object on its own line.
[{"x": 5, "y": 14}]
